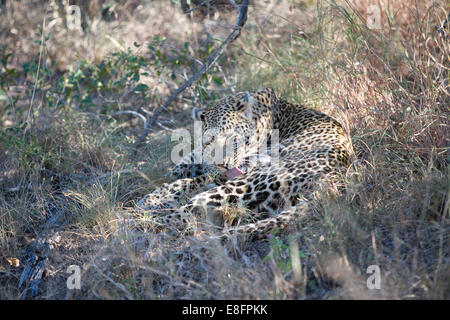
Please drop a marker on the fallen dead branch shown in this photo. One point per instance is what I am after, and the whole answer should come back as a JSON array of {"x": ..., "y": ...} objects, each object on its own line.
[{"x": 38, "y": 254}]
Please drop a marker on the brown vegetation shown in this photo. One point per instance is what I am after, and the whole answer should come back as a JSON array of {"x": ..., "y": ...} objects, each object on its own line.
[{"x": 64, "y": 154}]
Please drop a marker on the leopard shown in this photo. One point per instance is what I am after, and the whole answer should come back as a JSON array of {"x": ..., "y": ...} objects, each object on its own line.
[{"x": 276, "y": 154}]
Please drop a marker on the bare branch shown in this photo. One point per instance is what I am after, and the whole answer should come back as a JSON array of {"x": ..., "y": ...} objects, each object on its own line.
[
  {"x": 240, "y": 22},
  {"x": 234, "y": 4},
  {"x": 186, "y": 9},
  {"x": 132, "y": 113}
]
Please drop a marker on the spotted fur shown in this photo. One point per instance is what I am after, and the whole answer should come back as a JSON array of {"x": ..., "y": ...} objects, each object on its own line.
[{"x": 311, "y": 146}]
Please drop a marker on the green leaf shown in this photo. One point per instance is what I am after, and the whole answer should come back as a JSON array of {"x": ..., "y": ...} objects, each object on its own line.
[
  {"x": 217, "y": 80},
  {"x": 141, "y": 87},
  {"x": 3, "y": 96}
]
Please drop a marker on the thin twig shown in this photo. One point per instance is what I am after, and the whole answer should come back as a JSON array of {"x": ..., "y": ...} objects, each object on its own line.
[
  {"x": 270, "y": 13},
  {"x": 118, "y": 285},
  {"x": 240, "y": 22},
  {"x": 37, "y": 76},
  {"x": 186, "y": 11},
  {"x": 132, "y": 113}
]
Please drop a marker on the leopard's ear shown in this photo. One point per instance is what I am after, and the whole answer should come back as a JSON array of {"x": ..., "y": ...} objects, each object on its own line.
[
  {"x": 247, "y": 101},
  {"x": 198, "y": 115},
  {"x": 267, "y": 95},
  {"x": 270, "y": 93}
]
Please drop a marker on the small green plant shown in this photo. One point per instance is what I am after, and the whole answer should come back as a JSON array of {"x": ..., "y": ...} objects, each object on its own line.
[
  {"x": 104, "y": 85},
  {"x": 280, "y": 253}
]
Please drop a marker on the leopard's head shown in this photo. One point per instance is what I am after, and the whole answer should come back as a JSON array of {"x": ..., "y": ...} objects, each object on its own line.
[{"x": 235, "y": 128}]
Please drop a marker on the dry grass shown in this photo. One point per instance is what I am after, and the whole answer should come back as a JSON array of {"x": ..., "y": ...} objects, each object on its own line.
[{"x": 390, "y": 87}]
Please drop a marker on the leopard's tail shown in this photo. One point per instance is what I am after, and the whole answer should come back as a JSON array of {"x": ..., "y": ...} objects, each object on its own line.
[
  {"x": 262, "y": 228},
  {"x": 181, "y": 220}
]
